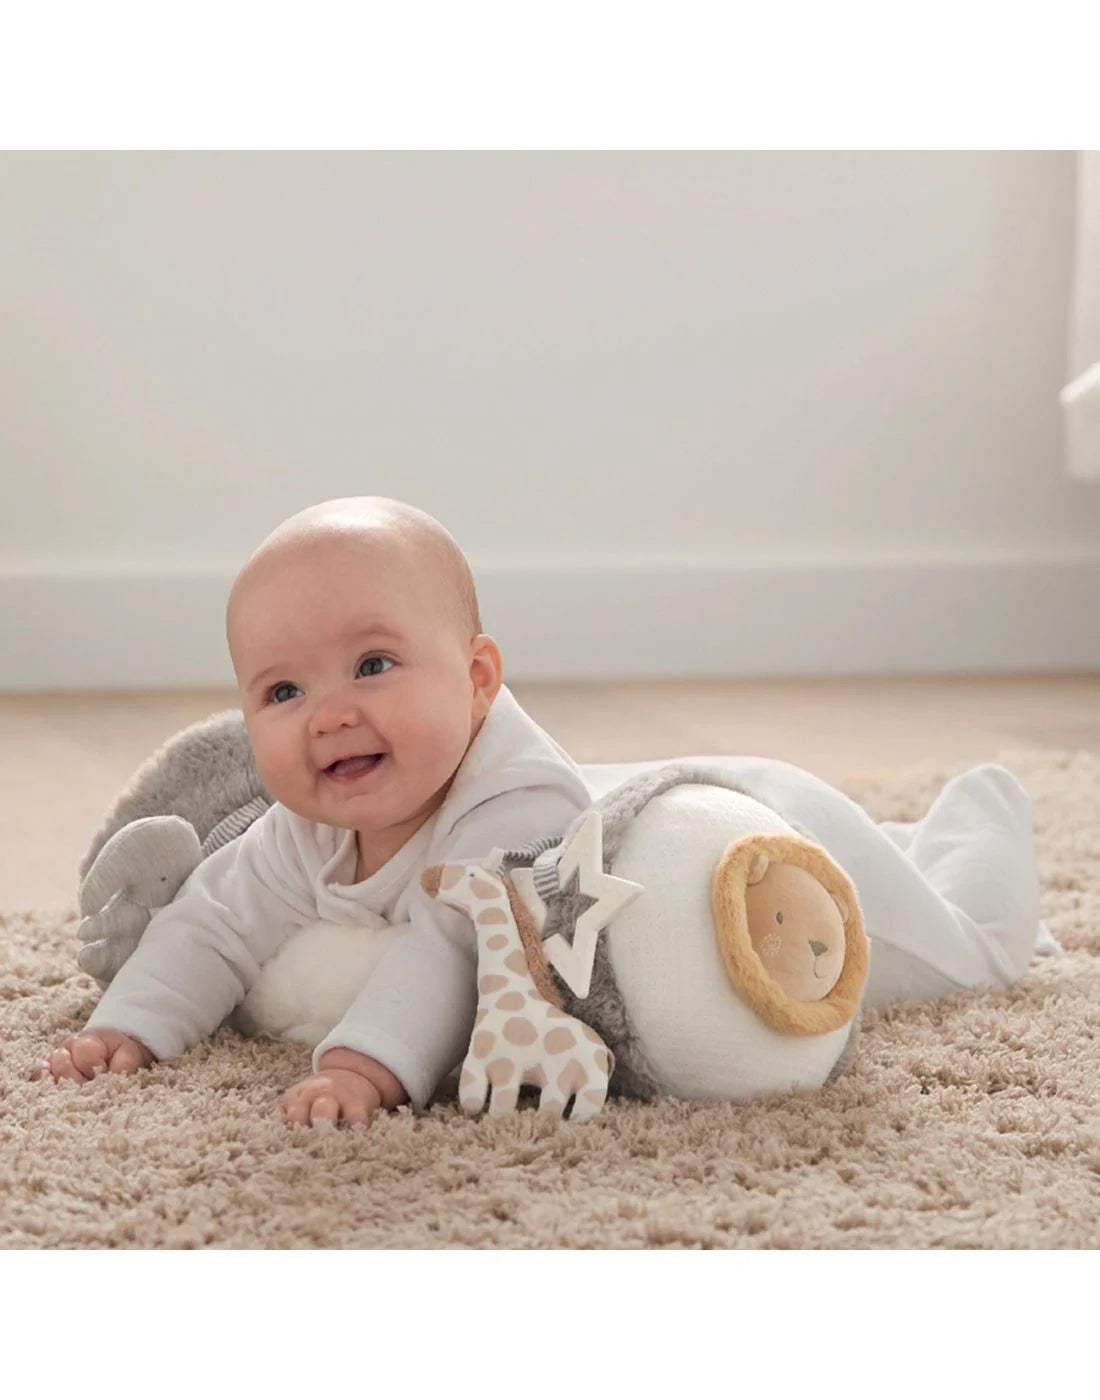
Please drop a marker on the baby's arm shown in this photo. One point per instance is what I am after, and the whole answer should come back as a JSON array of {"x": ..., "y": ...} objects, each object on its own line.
[
  {"x": 196, "y": 960},
  {"x": 411, "y": 1022}
]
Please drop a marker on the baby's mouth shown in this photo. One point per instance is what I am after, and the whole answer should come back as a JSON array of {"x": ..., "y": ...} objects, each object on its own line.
[{"x": 348, "y": 769}]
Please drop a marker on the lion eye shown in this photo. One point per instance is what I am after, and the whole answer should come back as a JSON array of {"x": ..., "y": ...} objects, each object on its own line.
[{"x": 779, "y": 917}]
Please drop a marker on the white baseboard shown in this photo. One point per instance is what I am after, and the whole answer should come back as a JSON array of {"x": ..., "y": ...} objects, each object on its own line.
[{"x": 638, "y": 621}]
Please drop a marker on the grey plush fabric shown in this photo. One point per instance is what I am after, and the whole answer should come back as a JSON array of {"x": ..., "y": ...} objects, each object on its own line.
[{"x": 203, "y": 774}]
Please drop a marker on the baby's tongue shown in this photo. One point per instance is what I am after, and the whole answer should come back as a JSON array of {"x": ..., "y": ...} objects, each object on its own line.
[{"x": 348, "y": 767}]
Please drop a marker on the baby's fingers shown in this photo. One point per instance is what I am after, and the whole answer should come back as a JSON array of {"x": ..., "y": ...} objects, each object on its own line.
[
  {"x": 355, "y": 1113},
  {"x": 325, "y": 1108},
  {"x": 127, "y": 1058},
  {"x": 294, "y": 1106},
  {"x": 59, "y": 1065},
  {"x": 87, "y": 1052}
]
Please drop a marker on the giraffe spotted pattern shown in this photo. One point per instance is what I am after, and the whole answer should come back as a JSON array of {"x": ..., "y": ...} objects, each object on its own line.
[{"x": 520, "y": 1037}]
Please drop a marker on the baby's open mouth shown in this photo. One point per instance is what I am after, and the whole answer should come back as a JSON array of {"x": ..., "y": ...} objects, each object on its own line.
[{"x": 355, "y": 767}]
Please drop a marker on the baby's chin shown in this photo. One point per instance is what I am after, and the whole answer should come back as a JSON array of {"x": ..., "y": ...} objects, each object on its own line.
[
  {"x": 311, "y": 807},
  {"x": 366, "y": 806}
]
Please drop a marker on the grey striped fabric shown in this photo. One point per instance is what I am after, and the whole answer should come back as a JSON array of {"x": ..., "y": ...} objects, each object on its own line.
[
  {"x": 230, "y": 827},
  {"x": 543, "y": 854}
]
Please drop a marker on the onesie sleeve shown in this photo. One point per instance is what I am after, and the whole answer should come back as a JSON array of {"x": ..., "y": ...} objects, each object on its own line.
[
  {"x": 200, "y": 954},
  {"x": 416, "y": 1012}
]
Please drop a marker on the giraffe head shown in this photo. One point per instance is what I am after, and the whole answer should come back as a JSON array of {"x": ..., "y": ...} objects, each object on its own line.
[{"x": 463, "y": 885}]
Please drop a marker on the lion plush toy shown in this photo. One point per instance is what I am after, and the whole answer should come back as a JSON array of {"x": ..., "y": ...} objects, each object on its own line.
[{"x": 681, "y": 938}]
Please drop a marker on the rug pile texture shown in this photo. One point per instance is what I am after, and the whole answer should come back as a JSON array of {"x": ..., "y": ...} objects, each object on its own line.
[{"x": 968, "y": 1123}]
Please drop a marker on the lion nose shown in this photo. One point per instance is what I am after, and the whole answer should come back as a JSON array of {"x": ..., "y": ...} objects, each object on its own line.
[{"x": 818, "y": 948}]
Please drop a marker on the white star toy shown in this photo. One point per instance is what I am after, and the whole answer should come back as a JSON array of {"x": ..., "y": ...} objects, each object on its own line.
[{"x": 585, "y": 852}]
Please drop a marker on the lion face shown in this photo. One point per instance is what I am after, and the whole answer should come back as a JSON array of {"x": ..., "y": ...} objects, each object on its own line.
[
  {"x": 797, "y": 931},
  {"x": 790, "y": 932}
]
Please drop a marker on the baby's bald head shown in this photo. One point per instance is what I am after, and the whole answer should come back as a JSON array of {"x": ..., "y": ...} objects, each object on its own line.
[{"x": 387, "y": 534}]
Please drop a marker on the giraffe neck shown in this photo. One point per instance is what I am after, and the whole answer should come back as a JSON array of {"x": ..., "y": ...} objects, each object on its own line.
[{"x": 495, "y": 959}]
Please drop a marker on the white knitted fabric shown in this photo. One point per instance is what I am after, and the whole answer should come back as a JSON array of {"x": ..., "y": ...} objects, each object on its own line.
[{"x": 702, "y": 1040}]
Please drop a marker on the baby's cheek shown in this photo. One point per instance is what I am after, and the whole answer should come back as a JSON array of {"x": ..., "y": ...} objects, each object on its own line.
[
  {"x": 280, "y": 776},
  {"x": 270, "y": 772},
  {"x": 435, "y": 758}
]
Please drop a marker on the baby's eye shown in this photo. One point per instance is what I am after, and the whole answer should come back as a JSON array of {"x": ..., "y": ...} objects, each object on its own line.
[
  {"x": 273, "y": 693},
  {"x": 366, "y": 661}
]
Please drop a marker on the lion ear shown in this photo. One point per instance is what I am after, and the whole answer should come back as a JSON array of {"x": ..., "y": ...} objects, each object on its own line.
[
  {"x": 758, "y": 869},
  {"x": 842, "y": 904}
]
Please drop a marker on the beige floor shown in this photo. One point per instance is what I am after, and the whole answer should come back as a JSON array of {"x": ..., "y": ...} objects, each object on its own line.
[{"x": 64, "y": 757}]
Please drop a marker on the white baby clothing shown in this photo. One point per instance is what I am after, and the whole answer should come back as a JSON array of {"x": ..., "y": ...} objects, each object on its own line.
[
  {"x": 949, "y": 902},
  {"x": 200, "y": 954}
]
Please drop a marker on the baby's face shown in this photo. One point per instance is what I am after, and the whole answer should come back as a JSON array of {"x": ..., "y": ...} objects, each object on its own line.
[{"x": 343, "y": 652}]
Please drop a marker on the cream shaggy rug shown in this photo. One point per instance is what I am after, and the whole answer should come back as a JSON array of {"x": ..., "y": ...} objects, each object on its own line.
[{"x": 969, "y": 1123}]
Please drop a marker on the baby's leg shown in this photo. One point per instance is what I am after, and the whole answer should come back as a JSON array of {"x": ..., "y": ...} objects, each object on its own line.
[
  {"x": 903, "y": 834},
  {"x": 958, "y": 906},
  {"x": 949, "y": 902}
]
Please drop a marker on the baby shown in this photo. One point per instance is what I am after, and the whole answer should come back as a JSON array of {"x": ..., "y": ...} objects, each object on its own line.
[{"x": 379, "y": 723}]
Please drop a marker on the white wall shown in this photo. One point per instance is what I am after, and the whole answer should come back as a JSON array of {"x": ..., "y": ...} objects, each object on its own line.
[{"x": 688, "y": 413}]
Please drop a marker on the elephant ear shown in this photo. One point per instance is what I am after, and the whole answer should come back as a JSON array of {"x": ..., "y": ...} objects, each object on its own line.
[
  {"x": 202, "y": 774},
  {"x": 140, "y": 868},
  {"x": 147, "y": 861}
]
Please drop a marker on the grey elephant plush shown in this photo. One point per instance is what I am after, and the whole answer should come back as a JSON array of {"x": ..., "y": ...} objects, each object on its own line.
[
  {"x": 196, "y": 793},
  {"x": 701, "y": 985}
]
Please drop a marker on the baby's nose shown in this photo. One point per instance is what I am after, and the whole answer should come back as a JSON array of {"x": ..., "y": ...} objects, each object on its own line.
[
  {"x": 818, "y": 948},
  {"x": 335, "y": 712}
]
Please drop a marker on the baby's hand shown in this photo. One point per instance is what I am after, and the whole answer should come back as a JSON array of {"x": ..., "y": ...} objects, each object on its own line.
[
  {"x": 337, "y": 1095},
  {"x": 89, "y": 1053},
  {"x": 350, "y": 1088}
]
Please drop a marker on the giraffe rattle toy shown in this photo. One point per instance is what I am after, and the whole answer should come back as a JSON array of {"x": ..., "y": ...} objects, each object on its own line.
[{"x": 521, "y": 1034}]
